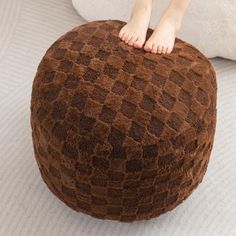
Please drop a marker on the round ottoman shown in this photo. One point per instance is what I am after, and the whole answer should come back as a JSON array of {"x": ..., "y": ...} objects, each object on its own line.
[{"x": 119, "y": 133}]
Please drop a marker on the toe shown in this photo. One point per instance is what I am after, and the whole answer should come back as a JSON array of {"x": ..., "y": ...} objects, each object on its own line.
[
  {"x": 164, "y": 50},
  {"x": 169, "y": 50},
  {"x": 124, "y": 36},
  {"x": 148, "y": 47},
  {"x": 159, "y": 49},
  {"x": 128, "y": 38},
  {"x": 154, "y": 48},
  {"x": 132, "y": 40},
  {"x": 138, "y": 43},
  {"x": 121, "y": 33}
]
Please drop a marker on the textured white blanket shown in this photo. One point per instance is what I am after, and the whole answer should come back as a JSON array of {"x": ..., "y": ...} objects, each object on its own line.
[
  {"x": 209, "y": 25},
  {"x": 27, "y": 207}
]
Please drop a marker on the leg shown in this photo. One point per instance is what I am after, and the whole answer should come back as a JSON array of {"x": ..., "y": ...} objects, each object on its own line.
[
  {"x": 134, "y": 32},
  {"x": 163, "y": 37}
]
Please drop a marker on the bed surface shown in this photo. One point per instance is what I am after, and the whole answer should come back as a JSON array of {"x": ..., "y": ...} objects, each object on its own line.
[{"x": 27, "y": 207}]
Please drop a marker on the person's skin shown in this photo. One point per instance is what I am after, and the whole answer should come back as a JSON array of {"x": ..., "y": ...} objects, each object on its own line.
[{"x": 163, "y": 37}]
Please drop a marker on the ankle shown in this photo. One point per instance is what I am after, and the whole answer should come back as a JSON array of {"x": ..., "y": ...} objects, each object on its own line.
[
  {"x": 145, "y": 4},
  {"x": 141, "y": 12},
  {"x": 173, "y": 17}
]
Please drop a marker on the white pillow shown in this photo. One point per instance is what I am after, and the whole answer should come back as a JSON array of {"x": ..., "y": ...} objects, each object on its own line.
[{"x": 208, "y": 25}]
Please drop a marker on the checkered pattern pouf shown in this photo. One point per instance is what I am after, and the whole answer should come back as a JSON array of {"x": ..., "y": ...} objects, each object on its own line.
[{"x": 120, "y": 133}]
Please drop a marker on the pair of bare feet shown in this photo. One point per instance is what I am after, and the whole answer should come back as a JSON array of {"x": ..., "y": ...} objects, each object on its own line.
[{"x": 162, "y": 39}]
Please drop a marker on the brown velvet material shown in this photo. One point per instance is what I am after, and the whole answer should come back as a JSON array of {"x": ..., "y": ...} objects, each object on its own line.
[{"x": 120, "y": 133}]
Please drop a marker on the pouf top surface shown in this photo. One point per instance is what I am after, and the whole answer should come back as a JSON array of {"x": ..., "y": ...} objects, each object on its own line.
[{"x": 125, "y": 95}]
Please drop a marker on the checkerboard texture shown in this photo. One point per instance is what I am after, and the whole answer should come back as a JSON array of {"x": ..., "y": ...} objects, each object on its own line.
[{"x": 119, "y": 133}]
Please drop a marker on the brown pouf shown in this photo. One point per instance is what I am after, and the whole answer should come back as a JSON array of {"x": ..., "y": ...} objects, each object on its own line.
[{"x": 120, "y": 133}]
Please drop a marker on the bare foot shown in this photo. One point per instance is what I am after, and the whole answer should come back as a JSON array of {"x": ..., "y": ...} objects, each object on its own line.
[
  {"x": 163, "y": 38},
  {"x": 134, "y": 32}
]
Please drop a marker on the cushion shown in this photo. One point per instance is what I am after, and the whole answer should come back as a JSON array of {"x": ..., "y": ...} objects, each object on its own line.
[
  {"x": 120, "y": 133},
  {"x": 213, "y": 31}
]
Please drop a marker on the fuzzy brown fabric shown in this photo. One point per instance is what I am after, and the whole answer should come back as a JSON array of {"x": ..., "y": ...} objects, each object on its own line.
[{"x": 120, "y": 133}]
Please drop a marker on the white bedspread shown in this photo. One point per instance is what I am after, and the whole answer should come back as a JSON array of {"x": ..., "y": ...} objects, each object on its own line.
[
  {"x": 27, "y": 207},
  {"x": 210, "y": 25}
]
